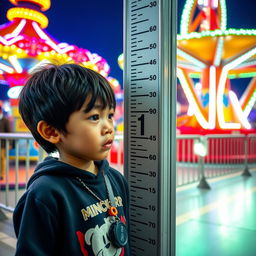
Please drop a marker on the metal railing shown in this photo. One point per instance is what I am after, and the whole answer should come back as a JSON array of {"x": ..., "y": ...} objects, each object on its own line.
[
  {"x": 17, "y": 159},
  {"x": 199, "y": 158}
]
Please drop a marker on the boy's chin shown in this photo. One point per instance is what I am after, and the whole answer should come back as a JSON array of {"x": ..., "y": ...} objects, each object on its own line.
[{"x": 103, "y": 157}]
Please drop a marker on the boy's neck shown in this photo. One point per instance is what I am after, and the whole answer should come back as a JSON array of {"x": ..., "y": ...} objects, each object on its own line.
[
  {"x": 88, "y": 166},
  {"x": 93, "y": 168}
]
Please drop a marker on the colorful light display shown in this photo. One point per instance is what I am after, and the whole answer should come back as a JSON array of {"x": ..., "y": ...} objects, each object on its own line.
[
  {"x": 24, "y": 43},
  {"x": 209, "y": 51}
]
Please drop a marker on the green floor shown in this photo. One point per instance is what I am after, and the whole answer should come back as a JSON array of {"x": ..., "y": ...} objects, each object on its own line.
[{"x": 220, "y": 221}]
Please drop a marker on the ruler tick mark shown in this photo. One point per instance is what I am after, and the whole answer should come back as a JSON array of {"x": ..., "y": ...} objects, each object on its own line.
[
  {"x": 142, "y": 173},
  {"x": 142, "y": 189},
  {"x": 137, "y": 221},
  {"x": 139, "y": 238},
  {"x": 140, "y": 21},
  {"x": 140, "y": 49},
  {"x": 139, "y": 33},
  {"x": 140, "y": 8}
]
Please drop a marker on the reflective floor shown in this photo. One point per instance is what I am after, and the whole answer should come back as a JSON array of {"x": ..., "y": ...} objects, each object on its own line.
[
  {"x": 216, "y": 222},
  {"x": 7, "y": 237},
  {"x": 220, "y": 221}
]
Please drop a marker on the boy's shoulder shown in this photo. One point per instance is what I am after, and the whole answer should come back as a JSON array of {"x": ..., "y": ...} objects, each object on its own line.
[{"x": 46, "y": 186}]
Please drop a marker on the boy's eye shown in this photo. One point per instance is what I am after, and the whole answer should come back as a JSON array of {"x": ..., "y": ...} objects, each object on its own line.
[
  {"x": 94, "y": 117},
  {"x": 110, "y": 116}
]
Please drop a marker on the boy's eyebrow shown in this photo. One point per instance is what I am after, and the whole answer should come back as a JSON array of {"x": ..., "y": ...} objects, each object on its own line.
[{"x": 97, "y": 106}]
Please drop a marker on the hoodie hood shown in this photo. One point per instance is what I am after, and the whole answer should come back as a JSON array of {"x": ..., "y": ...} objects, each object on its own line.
[{"x": 52, "y": 166}]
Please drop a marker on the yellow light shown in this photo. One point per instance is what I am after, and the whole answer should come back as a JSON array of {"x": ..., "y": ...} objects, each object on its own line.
[
  {"x": 29, "y": 14},
  {"x": 45, "y": 4},
  {"x": 90, "y": 65},
  {"x": 121, "y": 61},
  {"x": 19, "y": 51}
]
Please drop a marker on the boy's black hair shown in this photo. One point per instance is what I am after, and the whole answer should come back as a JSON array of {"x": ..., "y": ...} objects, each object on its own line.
[{"x": 54, "y": 92}]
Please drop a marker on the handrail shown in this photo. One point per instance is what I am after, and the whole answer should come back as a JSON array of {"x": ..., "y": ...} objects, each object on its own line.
[{"x": 227, "y": 153}]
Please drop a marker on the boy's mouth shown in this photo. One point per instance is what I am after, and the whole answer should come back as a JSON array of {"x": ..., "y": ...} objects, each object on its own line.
[{"x": 108, "y": 144}]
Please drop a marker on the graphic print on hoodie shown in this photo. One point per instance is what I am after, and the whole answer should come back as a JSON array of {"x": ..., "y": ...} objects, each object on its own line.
[{"x": 57, "y": 215}]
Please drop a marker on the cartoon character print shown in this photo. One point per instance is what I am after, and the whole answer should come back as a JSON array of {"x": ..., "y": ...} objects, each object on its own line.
[{"x": 99, "y": 241}]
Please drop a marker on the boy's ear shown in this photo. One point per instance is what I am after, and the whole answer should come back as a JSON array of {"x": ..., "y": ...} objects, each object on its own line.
[{"x": 48, "y": 132}]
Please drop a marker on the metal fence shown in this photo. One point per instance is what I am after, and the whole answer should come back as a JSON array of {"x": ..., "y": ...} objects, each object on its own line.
[
  {"x": 204, "y": 157},
  {"x": 199, "y": 158}
]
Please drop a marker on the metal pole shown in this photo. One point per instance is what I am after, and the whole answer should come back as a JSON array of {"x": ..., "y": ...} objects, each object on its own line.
[{"x": 246, "y": 169}]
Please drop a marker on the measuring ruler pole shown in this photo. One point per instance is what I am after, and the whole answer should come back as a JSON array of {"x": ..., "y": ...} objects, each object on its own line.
[{"x": 150, "y": 124}]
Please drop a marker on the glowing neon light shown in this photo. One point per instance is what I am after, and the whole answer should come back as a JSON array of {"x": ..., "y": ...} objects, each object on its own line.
[
  {"x": 212, "y": 98},
  {"x": 60, "y": 48},
  {"x": 215, "y": 3},
  {"x": 12, "y": 41},
  {"x": 40, "y": 32},
  {"x": 185, "y": 17},
  {"x": 17, "y": 30},
  {"x": 57, "y": 49},
  {"x": 219, "y": 51},
  {"x": 247, "y": 75},
  {"x": 189, "y": 66},
  {"x": 247, "y": 63},
  {"x": 223, "y": 18},
  {"x": 250, "y": 104},
  {"x": 27, "y": 14},
  {"x": 220, "y": 93},
  {"x": 190, "y": 58},
  {"x": 217, "y": 32},
  {"x": 235, "y": 62},
  {"x": 190, "y": 111},
  {"x": 6, "y": 68},
  {"x": 95, "y": 58},
  {"x": 240, "y": 115},
  {"x": 221, "y": 89},
  {"x": 14, "y": 92},
  {"x": 13, "y": 60},
  {"x": 186, "y": 14},
  {"x": 192, "y": 103},
  {"x": 248, "y": 92},
  {"x": 121, "y": 61},
  {"x": 63, "y": 45},
  {"x": 44, "y": 4}
]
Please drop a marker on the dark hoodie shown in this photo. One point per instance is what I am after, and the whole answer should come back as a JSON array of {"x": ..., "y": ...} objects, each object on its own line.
[{"x": 58, "y": 216}]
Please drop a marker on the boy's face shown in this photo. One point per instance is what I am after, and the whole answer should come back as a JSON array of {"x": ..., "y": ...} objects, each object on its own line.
[{"x": 89, "y": 135}]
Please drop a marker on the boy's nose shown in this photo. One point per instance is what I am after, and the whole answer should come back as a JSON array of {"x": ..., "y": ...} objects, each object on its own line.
[{"x": 107, "y": 128}]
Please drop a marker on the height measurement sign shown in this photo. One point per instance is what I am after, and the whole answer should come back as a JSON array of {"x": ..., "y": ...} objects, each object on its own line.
[{"x": 147, "y": 83}]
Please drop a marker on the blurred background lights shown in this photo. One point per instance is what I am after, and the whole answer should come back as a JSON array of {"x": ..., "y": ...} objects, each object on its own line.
[{"x": 200, "y": 148}]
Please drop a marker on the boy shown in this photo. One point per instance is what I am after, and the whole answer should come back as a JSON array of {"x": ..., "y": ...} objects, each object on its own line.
[{"x": 77, "y": 204}]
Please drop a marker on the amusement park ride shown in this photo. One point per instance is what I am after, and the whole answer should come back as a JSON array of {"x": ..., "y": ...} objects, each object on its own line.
[
  {"x": 25, "y": 44},
  {"x": 207, "y": 51}
]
